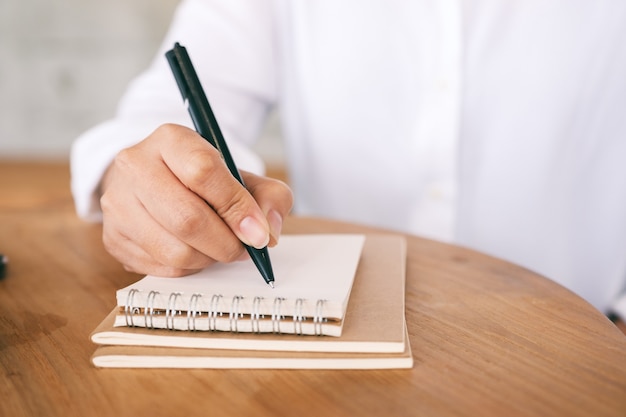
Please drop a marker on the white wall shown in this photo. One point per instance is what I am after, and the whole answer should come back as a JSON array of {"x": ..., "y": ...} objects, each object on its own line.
[{"x": 65, "y": 63}]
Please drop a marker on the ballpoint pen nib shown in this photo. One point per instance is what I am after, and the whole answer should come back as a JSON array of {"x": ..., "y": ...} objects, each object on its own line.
[{"x": 271, "y": 284}]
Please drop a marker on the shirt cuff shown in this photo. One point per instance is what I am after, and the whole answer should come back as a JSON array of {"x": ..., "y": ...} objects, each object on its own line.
[{"x": 91, "y": 155}]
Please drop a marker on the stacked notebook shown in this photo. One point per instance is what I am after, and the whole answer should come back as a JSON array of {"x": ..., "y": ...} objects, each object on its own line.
[{"x": 338, "y": 303}]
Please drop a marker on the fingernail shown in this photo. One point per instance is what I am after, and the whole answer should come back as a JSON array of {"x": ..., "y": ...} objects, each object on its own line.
[
  {"x": 276, "y": 223},
  {"x": 254, "y": 233}
]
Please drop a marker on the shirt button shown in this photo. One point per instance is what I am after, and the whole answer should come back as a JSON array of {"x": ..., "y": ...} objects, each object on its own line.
[{"x": 443, "y": 84}]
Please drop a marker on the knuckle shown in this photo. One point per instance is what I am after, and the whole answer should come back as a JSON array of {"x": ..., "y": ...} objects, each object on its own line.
[
  {"x": 234, "y": 254},
  {"x": 230, "y": 252},
  {"x": 235, "y": 205},
  {"x": 110, "y": 202},
  {"x": 167, "y": 130},
  {"x": 271, "y": 189},
  {"x": 200, "y": 166},
  {"x": 187, "y": 220},
  {"x": 106, "y": 204},
  {"x": 125, "y": 158},
  {"x": 282, "y": 192},
  {"x": 176, "y": 257}
]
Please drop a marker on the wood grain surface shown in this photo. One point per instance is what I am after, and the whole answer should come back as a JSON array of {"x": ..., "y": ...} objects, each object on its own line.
[{"x": 489, "y": 338}]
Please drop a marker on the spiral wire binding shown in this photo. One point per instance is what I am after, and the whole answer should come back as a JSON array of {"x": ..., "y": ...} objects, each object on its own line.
[
  {"x": 234, "y": 313},
  {"x": 256, "y": 314},
  {"x": 129, "y": 310},
  {"x": 149, "y": 309},
  {"x": 319, "y": 317},
  {"x": 171, "y": 312},
  {"x": 192, "y": 312},
  {"x": 276, "y": 316},
  {"x": 214, "y": 312},
  {"x": 298, "y": 318}
]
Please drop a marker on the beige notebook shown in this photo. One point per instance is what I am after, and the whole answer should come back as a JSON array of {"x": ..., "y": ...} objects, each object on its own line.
[
  {"x": 314, "y": 276},
  {"x": 374, "y": 319},
  {"x": 162, "y": 357}
]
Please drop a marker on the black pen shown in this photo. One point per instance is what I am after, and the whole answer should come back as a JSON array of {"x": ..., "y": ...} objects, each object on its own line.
[
  {"x": 3, "y": 262},
  {"x": 206, "y": 125}
]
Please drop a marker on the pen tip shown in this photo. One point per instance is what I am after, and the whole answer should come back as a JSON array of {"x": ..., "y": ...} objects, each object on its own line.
[{"x": 271, "y": 284}]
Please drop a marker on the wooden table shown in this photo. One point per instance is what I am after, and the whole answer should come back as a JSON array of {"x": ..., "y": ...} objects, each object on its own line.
[{"x": 489, "y": 338}]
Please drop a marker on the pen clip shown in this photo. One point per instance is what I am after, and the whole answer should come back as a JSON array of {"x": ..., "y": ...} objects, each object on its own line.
[{"x": 181, "y": 66}]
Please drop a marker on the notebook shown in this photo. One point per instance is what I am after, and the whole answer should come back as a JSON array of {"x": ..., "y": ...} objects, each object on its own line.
[
  {"x": 314, "y": 277},
  {"x": 162, "y": 357},
  {"x": 374, "y": 331}
]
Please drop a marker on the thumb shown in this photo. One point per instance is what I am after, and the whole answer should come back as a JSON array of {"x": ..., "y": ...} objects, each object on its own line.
[{"x": 200, "y": 167}]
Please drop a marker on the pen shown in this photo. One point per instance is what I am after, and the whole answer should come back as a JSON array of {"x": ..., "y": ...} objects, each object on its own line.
[
  {"x": 206, "y": 125},
  {"x": 3, "y": 261}
]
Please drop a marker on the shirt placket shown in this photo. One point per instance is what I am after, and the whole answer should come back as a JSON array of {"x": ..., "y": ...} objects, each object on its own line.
[{"x": 440, "y": 126}]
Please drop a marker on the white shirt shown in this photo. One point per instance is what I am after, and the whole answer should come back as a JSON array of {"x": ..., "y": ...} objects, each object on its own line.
[{"x": 497, "y": 125}]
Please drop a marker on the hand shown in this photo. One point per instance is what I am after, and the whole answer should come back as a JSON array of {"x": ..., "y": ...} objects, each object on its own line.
[{"x": 171, "y": 206}]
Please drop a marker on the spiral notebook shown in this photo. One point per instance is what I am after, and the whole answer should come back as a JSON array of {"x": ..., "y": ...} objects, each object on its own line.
[
  {"x": 374, "y": 330},
  {"x": 314, "y": 277}
]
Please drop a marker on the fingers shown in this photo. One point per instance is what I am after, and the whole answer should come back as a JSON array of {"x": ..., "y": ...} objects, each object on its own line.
[
  {"x": 274, "y": 198},
  {"x": 140, "y": 243},
  {"x": 134, "y": 259},
  {"x": 175, "y": 210},
  {"x": 171, "y": 206},
  {"x": 201, "y": 169}
]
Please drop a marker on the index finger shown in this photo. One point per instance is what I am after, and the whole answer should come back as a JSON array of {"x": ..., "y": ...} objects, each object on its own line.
[{"x": 200, "y": 167}]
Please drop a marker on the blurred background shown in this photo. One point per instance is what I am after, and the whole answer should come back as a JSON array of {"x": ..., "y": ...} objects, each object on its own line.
[{"x": 64, "y": 64}]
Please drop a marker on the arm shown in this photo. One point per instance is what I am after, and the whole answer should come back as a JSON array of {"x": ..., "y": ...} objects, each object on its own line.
[
  {"x": 237, "y": 73},
  {"x": 154, "y": 192}
]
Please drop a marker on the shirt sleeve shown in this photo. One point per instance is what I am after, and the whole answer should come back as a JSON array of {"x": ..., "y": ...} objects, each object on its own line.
[{"x": 232, "y": 48}]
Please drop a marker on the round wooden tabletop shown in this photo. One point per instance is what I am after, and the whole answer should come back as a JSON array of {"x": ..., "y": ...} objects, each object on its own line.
[
  {"x": 492, "y": 338},
  {"x": 489, "y": 338}
]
